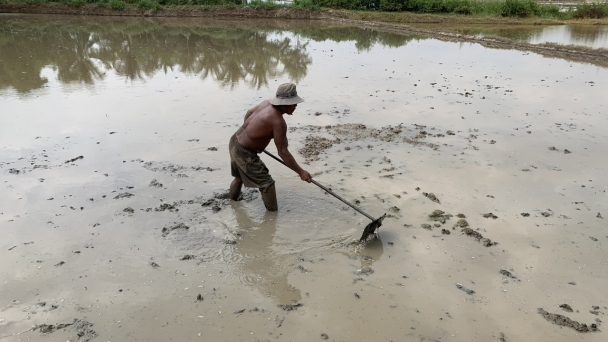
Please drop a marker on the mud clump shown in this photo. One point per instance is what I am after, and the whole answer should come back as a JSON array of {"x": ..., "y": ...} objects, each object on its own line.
[
  {"x": 440, "y": 216},
  {"x": 445, "y": 232},
  {"x": 462, "y": 223},
  {"x": 73, "y": 159},
  {"x": 315, "y": 145},
  {"x": 365, "y": 270},
  {"x": 566, "y": 322},
  {"x": 566, "y": 307},
  {"x": 166, "y": 206},
  {"x": 82, "y": 328},
  {"x": 290, "y": 307},
  {"x": 484, "y": 241},
  {"x": 426, "y": 226},
  {"x": 508, "y": 274},
  {"x": 155, "y": 184},
  {"x": 167, "y": 230},
  {"x": 164, "y": 167},
  {"x": 466, "y": 290},
  {"x": 490, "y": 215},
  {"x": 431, "y": 196},
  {"x": 128, "y": 210},
  {"x": 124, "y": 195}
]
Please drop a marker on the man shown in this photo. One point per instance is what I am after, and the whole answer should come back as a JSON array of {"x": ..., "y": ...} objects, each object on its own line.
[{"x": 263, "y": 123}]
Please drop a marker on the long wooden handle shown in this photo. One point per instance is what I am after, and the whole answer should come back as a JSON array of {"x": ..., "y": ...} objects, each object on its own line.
[{"x": 326, "y": 189}]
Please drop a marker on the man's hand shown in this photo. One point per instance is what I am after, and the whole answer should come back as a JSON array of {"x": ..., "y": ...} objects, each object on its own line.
[{"x": 305, "y": 176}]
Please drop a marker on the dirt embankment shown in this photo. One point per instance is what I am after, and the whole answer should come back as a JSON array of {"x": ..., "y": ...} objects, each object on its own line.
[{"x": 389, "y": 22}]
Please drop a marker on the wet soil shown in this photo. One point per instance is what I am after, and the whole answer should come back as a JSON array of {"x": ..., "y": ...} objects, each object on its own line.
[{"x": 567, "y": 322}]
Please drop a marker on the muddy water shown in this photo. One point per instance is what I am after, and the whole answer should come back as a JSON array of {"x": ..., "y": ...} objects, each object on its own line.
[
  {"x": 126, "y": 238},
  {"x": 592, "y": 36}
]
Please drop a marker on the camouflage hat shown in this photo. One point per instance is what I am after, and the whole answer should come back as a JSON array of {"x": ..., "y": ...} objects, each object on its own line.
[{"x": 286, "y": 95}]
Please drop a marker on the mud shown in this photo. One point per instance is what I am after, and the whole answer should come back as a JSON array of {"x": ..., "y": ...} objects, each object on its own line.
[
  {"x": 508, "y": 274},
  {"x": 431, "y": 196},
  {"x": 168, "y": 230},
  {"x": 81, "y": 329},
  {"x": 466, "y": 290},
  {"x": 567, "y": 322},
  {"x": 440, "y": 216},
  {"x": 473, "y": 233}
]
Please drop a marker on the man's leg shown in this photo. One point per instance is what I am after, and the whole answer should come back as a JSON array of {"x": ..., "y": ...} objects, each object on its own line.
[
  {"x": 235, "y": 188},
  {"x": 269, "y": 196}
]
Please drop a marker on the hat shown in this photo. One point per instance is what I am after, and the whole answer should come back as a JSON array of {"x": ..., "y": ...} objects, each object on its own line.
[{"x": 286, "y": 95}]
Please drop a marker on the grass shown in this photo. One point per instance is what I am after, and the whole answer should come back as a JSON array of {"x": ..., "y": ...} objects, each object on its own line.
[{"x": 486, "y": 8}]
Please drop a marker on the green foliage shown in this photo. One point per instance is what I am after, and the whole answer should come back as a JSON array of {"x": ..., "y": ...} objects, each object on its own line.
[
  {"x": 268, "y": 4},
  {"x": 76, "y": 3},
  {"x": 308, "y": 4},
  {"x": 117, "y": 4},
  {"x": 520, "y": 8},
  {"x": 593, "y": 11},
  {"x": 507, "y": 8},
  {"x": 148, "y": 4},
  {"x": 349, "y": 4}
]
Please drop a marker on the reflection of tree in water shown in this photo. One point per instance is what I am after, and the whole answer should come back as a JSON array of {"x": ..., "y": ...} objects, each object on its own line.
[
  {"x": 81, "y": 53},
  {"x": 364, "y": 38},
  {"x": 74, "y": 64}
]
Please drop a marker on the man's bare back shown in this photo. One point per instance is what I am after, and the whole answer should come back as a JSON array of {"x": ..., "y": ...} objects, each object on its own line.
[
  {"x": 265, "y": 122},
  {"x": 258, "y": 128}
]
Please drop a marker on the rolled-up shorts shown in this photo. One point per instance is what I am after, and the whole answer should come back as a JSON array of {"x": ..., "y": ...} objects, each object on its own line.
[{"x": 247, "y": 165}]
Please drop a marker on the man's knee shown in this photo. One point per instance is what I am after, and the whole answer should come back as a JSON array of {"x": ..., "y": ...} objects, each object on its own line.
[
  {"x": 269, "y": 196},
  {"x": 235, "y": 189}
]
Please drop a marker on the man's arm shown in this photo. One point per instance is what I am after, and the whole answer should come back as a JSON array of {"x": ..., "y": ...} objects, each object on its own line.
[{"x": 280, "y": 140}]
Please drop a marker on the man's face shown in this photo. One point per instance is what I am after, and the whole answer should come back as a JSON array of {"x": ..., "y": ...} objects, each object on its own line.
[{"x": 289, "y": 109}]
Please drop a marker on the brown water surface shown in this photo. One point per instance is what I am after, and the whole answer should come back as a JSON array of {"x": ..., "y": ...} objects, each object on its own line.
[
  {"x": 592, "y": 36},
  {"x": 128, "y": 236}
]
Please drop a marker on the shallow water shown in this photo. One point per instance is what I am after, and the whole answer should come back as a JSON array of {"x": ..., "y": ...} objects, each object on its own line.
[
  {"x": 592, "y": 36},
  {"x": 486, "y": 131}
]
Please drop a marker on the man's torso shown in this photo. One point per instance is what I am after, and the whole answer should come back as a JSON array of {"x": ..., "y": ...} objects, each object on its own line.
[{"x": 257, "y": 131}]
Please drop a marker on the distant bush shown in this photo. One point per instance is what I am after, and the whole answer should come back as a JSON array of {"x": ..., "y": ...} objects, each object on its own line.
[
  {"x": 117, "y": 4},
  {"x": 592, "y": 11},
  {"x": 520, "y": 8},
  {"x": 349, "y": 4},
  {"x": 309, "y": 4},
  {"x": 148, "y": 4}
]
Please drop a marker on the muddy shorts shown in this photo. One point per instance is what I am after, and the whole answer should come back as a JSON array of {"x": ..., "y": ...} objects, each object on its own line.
[{"x": 247, "y": 165}]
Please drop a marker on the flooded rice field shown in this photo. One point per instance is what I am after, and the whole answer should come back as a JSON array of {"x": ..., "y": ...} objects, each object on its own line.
[
  {"x": 114, "y": 167},
  {"x": 591, "y": 36}
]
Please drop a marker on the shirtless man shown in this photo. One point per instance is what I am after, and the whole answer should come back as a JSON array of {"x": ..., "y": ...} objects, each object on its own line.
[{"x": 263, "y": 123}]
